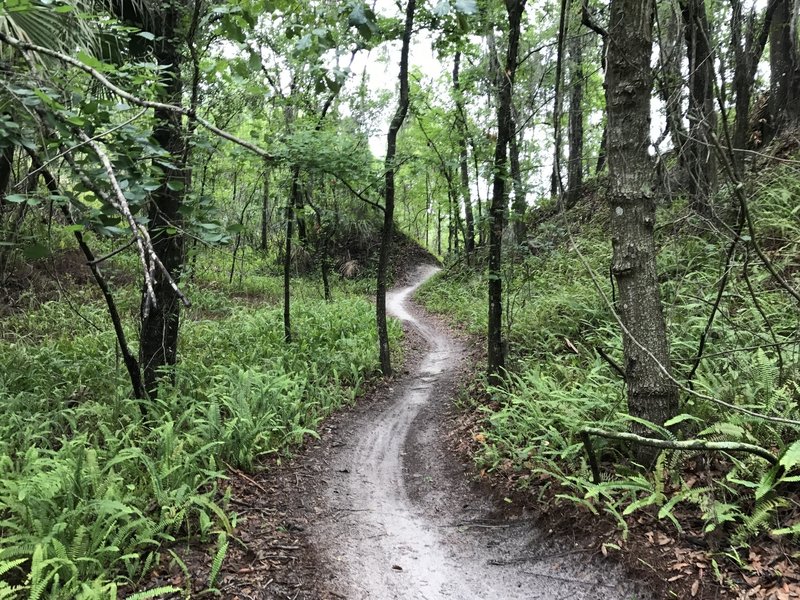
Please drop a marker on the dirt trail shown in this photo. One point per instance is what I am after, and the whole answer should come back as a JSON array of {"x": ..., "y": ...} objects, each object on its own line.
[{"x": 398, "y": 519}]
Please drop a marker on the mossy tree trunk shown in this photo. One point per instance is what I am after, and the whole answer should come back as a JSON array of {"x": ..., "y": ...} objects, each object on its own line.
[{"x": 652, "y": 395}]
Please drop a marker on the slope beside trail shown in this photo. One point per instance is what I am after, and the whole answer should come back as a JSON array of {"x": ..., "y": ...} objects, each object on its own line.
[{"x": 396, "y": 518}]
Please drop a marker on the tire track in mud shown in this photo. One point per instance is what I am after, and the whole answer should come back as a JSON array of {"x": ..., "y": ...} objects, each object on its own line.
[{"x": 398, "y": 520}]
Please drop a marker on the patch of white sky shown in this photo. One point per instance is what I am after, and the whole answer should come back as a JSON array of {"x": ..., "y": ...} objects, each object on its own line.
[
  {"x": 378, "y": 69},
  {"x": 381, "y": 68}
]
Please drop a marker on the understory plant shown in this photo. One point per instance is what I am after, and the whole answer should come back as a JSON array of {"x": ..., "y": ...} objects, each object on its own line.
[
  {"x": 94, "y": 484},
  {"x": 566, "y": 371}
]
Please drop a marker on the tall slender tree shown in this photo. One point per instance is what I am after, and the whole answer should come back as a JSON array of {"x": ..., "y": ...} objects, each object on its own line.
[
  {"x": 461, "y": 116},
  {"x": 575, "y": 164},
  {"x": 700, "y": 160},
  {"x": 388, "y": 209},
  {"x": 498, "y": 207}
]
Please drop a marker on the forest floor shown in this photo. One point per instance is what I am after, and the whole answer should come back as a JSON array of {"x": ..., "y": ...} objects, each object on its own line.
[{"x": 383, "y": 506}]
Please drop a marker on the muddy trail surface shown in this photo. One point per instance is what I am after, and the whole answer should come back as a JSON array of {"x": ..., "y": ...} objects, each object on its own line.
[{"x": 395, "y": 516}]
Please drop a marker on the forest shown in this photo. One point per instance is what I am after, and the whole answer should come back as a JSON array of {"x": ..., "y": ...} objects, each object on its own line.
[{"x": 481, "y": 280}]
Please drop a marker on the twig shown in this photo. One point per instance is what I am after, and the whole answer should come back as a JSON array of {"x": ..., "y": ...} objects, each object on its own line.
[
  {"x": 737, "y": 186},
  {"x": 568, "y": 579},
  {"x": 720, "y": 293},
  {"x": 246, "y": 478},
  {"x": 97, "y": 261},
  {"x": 614, "y": 364},
  {"x": 71, "y": 149},
  {"x": 588, "y": 20},
  {"x": 700, "y": 445}
]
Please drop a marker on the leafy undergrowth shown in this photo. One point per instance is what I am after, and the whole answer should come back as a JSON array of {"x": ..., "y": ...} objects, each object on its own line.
[
  {"x": 742, "y": 514},
  {"x": 93, "y": 484}
]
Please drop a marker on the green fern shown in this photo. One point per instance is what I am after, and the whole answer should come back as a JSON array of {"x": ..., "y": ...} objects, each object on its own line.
[
  {"x": 154, "y": 593},
  {"x": 219, "y": 557}
]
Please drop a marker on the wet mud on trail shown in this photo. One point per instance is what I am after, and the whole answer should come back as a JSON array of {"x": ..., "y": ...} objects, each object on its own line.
[{"x": 395, "y": 517}]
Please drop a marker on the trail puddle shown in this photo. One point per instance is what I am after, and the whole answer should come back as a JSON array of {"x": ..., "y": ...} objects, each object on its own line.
[{"x": 399, "y": 521}]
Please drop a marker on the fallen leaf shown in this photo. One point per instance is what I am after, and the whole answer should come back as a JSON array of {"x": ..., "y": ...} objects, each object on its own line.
[{"x": 695, "y": 587}]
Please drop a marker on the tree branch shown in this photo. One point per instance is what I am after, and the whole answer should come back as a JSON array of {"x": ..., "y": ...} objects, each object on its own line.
[
  {"x": 104, "y": 81},
  {"x": 698, "y": 445}
]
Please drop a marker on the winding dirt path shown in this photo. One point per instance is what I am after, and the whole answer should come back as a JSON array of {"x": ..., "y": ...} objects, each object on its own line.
[{"x": 397, "y": 518}]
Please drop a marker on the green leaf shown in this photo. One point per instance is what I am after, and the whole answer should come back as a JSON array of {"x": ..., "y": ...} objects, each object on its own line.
[
  {"x": 680, "y": 419},
  {"x": 146, "y": 35},
  {"x": 767, "y": 482},
  {"x": 91, "y": 62},
  {"x": 254, "y": 62},
  {"x": 35, "y": 251},
  {"x": 791, "y": 456}
]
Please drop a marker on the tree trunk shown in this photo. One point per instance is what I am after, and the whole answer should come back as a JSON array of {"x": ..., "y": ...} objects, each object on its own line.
[
  {"x": 555, "y": 177},
  {"x": 651, "y": 393},
  {"x": 388, "y": 214},
  {"x": 670, "y": 80},
  {"x": 575, "y": 164},
  {"x": 469, "y": 238},
  {"x": 6, "y": 163},
  {"x": 438, "y": 229},
  {"x": 495, "y": 345},
  {"x": 480, "y": 225},
  {"x": 265, "y": 211},
  {"x": 520, "y": 203},
  {"x": 784, "y": 68},
  {"x": 287, "y": 257},
  {"x": 603, "y": 152},
  {"x": 700, "y": 158},
  {"x": 160, "y": 323},
  {"x": 746, "y": 57}
]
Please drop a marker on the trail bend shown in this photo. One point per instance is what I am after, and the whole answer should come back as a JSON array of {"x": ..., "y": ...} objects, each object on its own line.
[{"x": 397, "y": 518}]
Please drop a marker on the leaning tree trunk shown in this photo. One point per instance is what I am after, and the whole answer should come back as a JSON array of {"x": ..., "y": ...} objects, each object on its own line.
[
  {"x": 159, "y": 334},
  {"x": 652, "y": 395},
  {"x": 388, "y": 213},
  {"x": 497, "y": 209}
]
